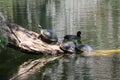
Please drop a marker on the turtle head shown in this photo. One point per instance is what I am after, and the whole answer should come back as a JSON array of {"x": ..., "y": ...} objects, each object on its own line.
[{"x": 40, "y": 28}]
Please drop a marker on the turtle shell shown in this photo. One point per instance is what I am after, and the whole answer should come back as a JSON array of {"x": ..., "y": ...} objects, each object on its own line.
[
  {"x": 49, "y": 36},
  {"x": 68, "y": 47},
  {"x": 84, "y": 48}
]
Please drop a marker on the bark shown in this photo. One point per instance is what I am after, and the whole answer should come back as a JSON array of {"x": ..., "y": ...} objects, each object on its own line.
[{"x": 26, "y": 40}]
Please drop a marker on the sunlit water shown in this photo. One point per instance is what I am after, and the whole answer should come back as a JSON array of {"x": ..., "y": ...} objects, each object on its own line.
[{"x": 97, "y": 19}]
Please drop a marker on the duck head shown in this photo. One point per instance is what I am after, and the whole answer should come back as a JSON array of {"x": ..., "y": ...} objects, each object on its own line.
[{"x": 79, "y": 34}]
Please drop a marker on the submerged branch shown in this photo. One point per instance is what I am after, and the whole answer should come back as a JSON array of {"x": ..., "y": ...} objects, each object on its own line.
[{"x": 32, "y": 66}]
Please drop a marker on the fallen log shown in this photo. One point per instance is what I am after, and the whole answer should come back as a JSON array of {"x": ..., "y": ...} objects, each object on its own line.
[
  {"x": 32, "y": 66},
  {"x": 26, "y": 40}
]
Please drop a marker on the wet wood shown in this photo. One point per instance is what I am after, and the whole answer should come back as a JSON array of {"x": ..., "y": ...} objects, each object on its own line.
[{"x": 27, "y": 41}]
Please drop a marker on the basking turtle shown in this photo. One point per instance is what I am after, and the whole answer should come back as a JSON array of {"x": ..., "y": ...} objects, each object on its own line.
[
  {"x": 84, "y": 49},
  {"x": 68, "y": 47},
  {"x": 47, "y": 36},
  {"x": 75, "y": 38}
]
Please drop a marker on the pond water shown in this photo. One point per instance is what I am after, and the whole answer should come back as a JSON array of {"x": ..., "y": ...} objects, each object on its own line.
[{"x": 98, "y": 21}]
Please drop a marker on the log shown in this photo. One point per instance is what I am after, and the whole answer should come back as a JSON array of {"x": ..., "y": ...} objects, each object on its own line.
[
  {"x": 33, "y": 66},
  {"x": 26, "y": 40}
]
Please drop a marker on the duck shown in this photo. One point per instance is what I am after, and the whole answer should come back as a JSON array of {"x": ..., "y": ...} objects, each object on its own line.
[{"x": 76, "y": 38}]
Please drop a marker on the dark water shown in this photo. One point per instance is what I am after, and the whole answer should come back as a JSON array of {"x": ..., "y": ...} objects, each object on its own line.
[{"x": 97, "y": 19}]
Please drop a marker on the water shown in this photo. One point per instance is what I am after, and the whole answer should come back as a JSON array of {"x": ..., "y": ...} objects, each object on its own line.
[{"x": 97, "y": 19}]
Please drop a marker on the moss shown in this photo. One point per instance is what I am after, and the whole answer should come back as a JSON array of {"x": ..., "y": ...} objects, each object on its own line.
[{"x": 2, "y": 41}]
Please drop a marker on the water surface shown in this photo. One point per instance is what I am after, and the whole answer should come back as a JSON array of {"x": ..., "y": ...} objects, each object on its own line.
[{"x": 97, "y": 19}]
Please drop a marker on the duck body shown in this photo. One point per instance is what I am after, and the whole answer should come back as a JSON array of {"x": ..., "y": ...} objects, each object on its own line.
[
  {"x": 74, "y": 38},
  {"x": 70, "y": 37}
]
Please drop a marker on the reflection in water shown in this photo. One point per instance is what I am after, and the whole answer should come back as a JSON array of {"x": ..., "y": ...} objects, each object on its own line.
[
  {"x": 97, "y": 19},
  {"x": 67, "y": 68},
  {"x": 78, "y": 68},
  {"x": 116, "y": 67},
  {"x": 88, "y": 72},
  {"x": 31, "y": 67},
  {"x": 72, "y": 67}
]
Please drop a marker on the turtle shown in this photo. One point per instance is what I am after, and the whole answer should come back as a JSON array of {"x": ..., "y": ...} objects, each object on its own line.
[
  {"x": 68, "y": 47},
  {"x": 76, "y": 38},
  {"x": 48, "y": 36},
  {"x": 84, "y": 49}
]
